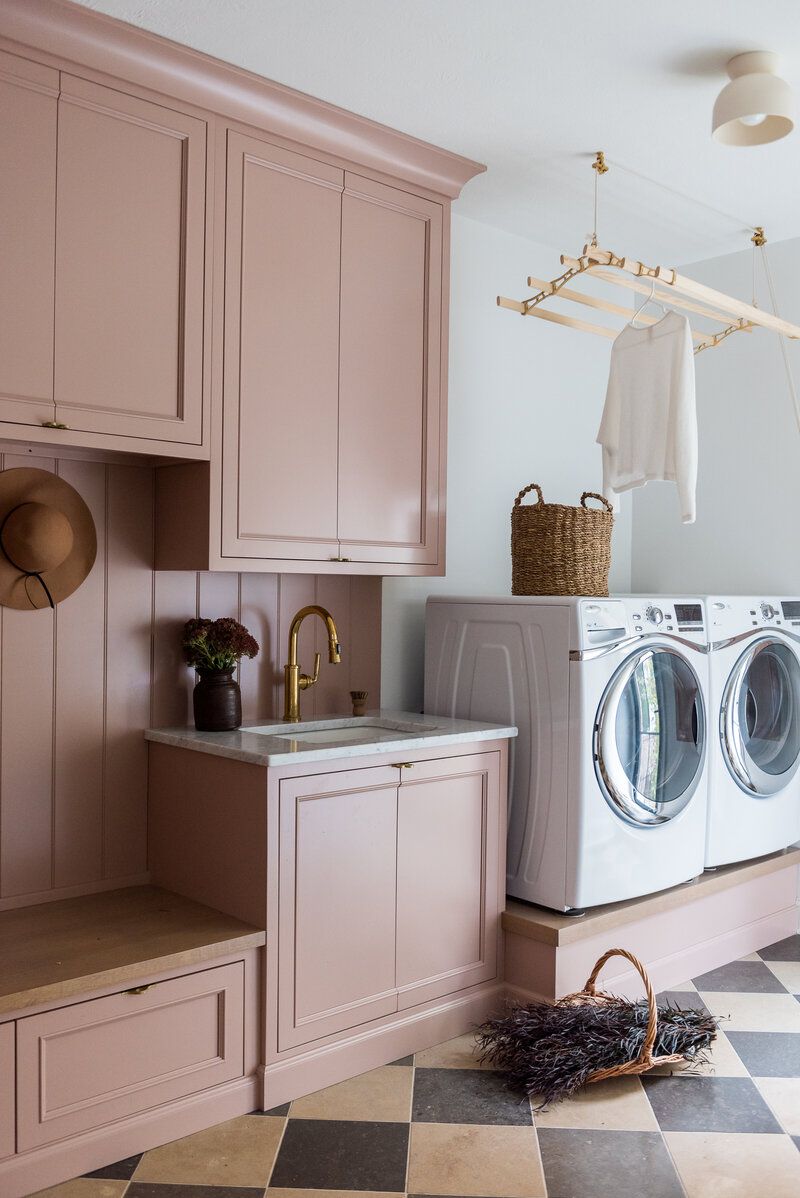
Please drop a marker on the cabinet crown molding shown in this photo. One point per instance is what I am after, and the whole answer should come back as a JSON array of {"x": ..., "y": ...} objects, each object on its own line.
[{"x": 103, "y": 43}]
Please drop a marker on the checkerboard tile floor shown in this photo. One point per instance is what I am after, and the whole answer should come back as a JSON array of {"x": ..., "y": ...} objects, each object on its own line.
[{"x": 440, "y": 1124}]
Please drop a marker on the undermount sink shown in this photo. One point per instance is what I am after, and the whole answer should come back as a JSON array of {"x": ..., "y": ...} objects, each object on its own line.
[{"x": 366, "y": 730}]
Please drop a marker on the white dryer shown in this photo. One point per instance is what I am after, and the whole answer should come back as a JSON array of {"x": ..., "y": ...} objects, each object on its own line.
[
  {"x": 754, "y": 706},
  {"x": 607, "y": 784}
]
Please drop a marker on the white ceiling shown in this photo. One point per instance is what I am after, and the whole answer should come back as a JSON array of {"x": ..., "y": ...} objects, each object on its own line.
[{"x": 532, "y": 88}]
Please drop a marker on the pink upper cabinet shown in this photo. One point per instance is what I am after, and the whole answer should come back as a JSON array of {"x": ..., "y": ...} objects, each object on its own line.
[
  {"x": 130, "y": 247},
  {"x": 28, "y": 121},
  {"x": 389, "y": 385},
  {"x": 280, "y": 384}
]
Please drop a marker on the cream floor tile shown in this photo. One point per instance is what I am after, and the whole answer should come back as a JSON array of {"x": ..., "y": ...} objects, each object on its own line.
[
  {"x": 682, "y": 987},
  {"x": 453, "y": 1158},
  {"x": 722, "y": 1062},
  {"x": 238, "y": 1153},
  {"x": 619, "y": 1104},
  {"x": 85, "y": 1187},
  {"x": 750, "y": 957},
  {"x": 279, "y": 1193},
  {"x": 787, "y": 972},
  {"x": 729, "y": 1165},
  {"x": 382, "y": 1094},
  {"x": 460, "y": 1053},
  {"x": 783, "y": 1095},
  {"x": 755, "y": 1012}
]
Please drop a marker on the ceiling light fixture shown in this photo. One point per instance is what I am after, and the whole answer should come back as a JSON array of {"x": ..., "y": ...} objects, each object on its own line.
[{"x": 757, "y": 106}]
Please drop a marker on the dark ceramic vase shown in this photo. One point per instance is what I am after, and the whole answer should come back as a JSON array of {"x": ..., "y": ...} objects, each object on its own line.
[{"x": 217, "y": 702}]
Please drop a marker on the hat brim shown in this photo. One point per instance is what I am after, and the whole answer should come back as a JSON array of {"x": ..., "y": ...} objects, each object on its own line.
[{"x": 25, "y": 484}]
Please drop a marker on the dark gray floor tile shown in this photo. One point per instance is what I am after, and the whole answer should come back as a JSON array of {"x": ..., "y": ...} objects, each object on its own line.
[
  {"x": 467, "y": 1096},
  {"x": 333, "y": 1154},
  {"x": 783, "y": 950},
  {"x": 404, "y": 1061},
  {"x": 607, "y": 1164},
  {"x": 119, "y": 1171},
  {"x": 751, "y": 977},
  {"x": 709, "y": 1104},
  {"x": 153, "y": 1189},
  {"x": 768, "y": 1054},
  {"x": 283, "y": 1109},
  {"x": 685, "y": 999},
  {"x": 797, "y": 1142}
]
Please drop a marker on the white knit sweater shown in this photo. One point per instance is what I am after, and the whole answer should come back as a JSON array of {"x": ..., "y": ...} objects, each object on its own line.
[{"x": 649, "y": 425}]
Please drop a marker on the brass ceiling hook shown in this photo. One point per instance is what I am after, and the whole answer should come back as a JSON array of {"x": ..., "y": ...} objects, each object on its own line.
[{"x": 600, "y": 165}]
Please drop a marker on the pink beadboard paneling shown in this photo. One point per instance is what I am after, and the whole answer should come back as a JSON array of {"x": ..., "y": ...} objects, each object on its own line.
[
  {"x": 26, "y": 717},
  {"x": 259, "y": 613},
  {"x": 129, "y": 625},
  {"x": 175, "y": 602},
  {"x": 331, "y": 695},
  {"x": 80, "y": 703},
  {"x": 77, "y": 689}
]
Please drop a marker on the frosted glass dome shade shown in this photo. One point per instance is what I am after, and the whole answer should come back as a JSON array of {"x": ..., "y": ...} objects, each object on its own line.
[{"x": 757, "y": 106}]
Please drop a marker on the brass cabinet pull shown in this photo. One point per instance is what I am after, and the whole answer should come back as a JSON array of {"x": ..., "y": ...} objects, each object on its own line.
[
  {"x": 339, "y": 559},
  {"x": 403, "y": 765},
  {"x": 139, "y": 989},
  {"x": 53, "y": 424}
]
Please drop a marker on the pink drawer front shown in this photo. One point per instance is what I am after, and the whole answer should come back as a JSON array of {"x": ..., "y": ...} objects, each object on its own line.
[
  {"x": 6, "y": 1090},
  {"x": 87, "y": 1065}
]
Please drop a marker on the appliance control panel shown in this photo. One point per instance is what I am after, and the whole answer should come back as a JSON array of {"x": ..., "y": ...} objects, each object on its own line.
[
  {"x": 732, "y": 615},
  {"x": 606, "y": 620}
]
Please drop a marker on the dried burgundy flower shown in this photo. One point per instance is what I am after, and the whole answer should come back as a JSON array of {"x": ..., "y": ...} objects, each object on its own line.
[{"x": 217, "y": 644}]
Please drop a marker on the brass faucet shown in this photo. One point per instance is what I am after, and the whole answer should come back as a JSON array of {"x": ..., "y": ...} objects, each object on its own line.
[{"x": 294, "y": 680}]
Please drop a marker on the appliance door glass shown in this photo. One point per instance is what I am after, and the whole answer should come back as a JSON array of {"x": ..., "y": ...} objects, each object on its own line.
[
  {"x": 760, "y": 717},
  {"x": 650, "y": 736}
]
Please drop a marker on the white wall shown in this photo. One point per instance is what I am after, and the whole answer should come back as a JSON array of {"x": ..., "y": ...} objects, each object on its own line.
[
  {"x": 748, "y": 497},
  {"x": 525, "y": 400}
]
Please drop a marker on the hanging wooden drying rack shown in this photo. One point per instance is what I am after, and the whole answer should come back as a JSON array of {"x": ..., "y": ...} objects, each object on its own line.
[{"x": 666, "y": 286}]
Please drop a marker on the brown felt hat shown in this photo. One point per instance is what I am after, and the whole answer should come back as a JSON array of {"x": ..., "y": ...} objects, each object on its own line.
[{"x": 48, "y": 541}]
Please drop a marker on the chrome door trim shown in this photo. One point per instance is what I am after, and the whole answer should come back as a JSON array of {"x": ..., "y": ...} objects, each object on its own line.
[
  {"x": 754, "y": 781},
  {"x": 767, "y": 630},
  {"x": 620, "y": 793},
  {"x": 630, "y": 642}
]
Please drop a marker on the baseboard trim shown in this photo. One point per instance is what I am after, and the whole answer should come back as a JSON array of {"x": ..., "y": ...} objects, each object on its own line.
[
  {"x": 31, "y": 1171},
  {"x": 410, "y": 1032}
]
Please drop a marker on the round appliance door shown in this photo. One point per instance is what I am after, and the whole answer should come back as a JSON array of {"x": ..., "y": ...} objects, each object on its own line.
[
  {"x": 650, "y": 738},
  {"x": 760, "y": 717}
]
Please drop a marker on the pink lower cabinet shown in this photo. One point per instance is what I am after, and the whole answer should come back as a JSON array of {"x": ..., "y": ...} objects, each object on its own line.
[
  {"x": 447, "y": 876},
  {"x": 388, "y": 890},
  {"x": 90, "y": 1064},
  {"x": 7, "y": 1119},
  {"x": 336, "y": 937}
]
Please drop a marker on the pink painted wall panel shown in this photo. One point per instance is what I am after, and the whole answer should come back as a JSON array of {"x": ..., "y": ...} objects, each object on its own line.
[
  {"x": 77, "y": 689},
  {"x": 26, "y": 718},
  {"x": 78, "y": 745},
  {"x": 129, "y": 602}
]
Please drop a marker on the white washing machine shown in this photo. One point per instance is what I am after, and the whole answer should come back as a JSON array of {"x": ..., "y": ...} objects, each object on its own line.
[
  {"x": 608, "y": 781},
  {"x": 754, "y": 713}
]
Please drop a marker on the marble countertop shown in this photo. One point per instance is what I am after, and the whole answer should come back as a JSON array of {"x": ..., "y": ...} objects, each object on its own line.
[{"x": 326, "y": 739}]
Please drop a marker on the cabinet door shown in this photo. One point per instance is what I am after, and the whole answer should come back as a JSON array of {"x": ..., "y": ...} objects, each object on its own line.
[
  {"x": 28, "y": 117},
  {"x": 337, "y": 877},
  {"x": 281, "y": 354},
  {"x": 447, "y": 876},
  {"x": 389, "y": 375},
  {"x": 7, "y": 1090},
  {"x": 130, "y": 249}
]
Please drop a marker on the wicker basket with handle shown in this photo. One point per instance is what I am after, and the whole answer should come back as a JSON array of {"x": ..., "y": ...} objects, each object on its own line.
[
  {"x": 560, "y": 550},
  {"x": 590, "y": 994}
]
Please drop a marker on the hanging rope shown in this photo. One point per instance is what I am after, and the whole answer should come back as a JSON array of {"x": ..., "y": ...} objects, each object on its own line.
[{"x": 781, "y": 340}]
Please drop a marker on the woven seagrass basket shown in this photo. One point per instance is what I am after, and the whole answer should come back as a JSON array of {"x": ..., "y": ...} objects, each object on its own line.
[{"x": 560, "y": 550}]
